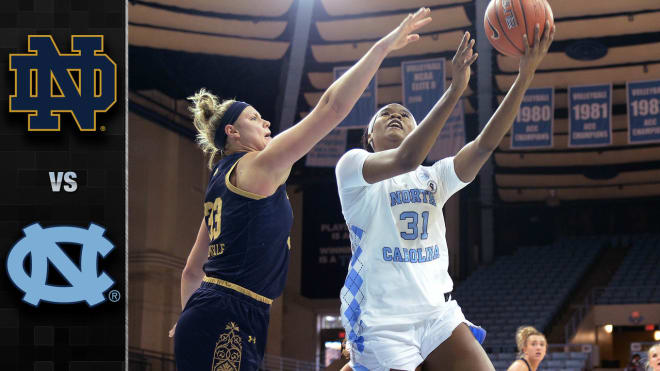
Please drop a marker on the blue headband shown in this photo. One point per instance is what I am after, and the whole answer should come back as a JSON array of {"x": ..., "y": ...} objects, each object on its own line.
[{"x": 230, "y": 116}]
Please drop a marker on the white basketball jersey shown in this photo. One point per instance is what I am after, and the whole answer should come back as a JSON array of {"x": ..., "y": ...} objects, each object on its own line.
[{"x": 398, "y": 272}]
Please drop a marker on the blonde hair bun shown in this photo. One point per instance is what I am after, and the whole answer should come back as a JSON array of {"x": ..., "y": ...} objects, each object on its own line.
[
  {"x": 523, "y": 333},
  {"x": 207, "y": 111}
]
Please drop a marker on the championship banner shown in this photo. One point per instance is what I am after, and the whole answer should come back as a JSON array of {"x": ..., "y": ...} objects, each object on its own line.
[
  {"x": 364, "y": 108},
  {"x": 643, "y": 111},
  {"x": 533, "y": 125},
  {"x": 327, "y": 152},
  {"x": 452, "y": 136},
  {"x": 326, "y": 248},
  {"x": 590, "y": 115},
  {"x": 63, "y": 220},
  {"x": 423, "y": 82}
]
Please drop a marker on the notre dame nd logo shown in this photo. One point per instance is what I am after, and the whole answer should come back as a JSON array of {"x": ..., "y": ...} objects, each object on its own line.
[
  {"x": 41, "y": 244},
  {"x": 49, "y": 83}
]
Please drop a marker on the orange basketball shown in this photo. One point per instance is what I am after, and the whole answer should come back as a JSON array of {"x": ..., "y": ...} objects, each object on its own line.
[{"x": 506, "y": 21}]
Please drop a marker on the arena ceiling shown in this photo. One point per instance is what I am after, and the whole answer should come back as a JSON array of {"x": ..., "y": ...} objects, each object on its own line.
[{"x": 241, "y": 48}]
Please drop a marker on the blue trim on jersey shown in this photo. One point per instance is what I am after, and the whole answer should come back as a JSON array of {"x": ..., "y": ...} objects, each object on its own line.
[
  {"x": 352, "y": 294},
  {"x": 479, "y": 333},
  {"x": 353, "y": 281},
  {"x": 358, "y": 232},
  {"x": 353, "y": 312},
  {"x": 356, "y": 341},
  {"x": 356, "y": 255}
]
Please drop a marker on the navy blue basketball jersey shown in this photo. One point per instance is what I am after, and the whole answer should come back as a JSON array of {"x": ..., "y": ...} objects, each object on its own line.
[{"x": 249, "y": 234}]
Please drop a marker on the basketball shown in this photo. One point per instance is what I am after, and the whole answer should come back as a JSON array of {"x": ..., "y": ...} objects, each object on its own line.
[{"x": 506, "y": 21}]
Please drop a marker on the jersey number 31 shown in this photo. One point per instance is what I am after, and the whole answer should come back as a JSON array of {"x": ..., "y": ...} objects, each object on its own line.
[{"x": 413, "y": 221}]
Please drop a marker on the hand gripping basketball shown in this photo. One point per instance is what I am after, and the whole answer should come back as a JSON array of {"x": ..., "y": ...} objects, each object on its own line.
[{"x": 533, "y": 56}]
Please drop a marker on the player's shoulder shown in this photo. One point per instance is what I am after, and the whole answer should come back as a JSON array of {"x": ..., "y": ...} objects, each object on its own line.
[
  {"x": 444, "y": 168},
  {"x": 355, "y": 152},
  {"x": 353, "y": 156},
  {"x": 517, "y": 365},
  {"x": 446, "y": 161}
]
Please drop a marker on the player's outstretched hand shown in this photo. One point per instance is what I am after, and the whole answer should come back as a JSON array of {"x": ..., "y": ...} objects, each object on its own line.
[
  {"x": 172, "y": 331},
  {"x": 533, "y": 56},
  {"x": 403, "y": 34},
  {"x": 460, "y": 65}
]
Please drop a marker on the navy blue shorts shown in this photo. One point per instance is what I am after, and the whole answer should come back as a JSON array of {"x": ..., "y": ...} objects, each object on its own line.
[{"x": 221, "y": 329}]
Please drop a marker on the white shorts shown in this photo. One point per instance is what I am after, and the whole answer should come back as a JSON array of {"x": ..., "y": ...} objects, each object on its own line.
[{"x": 404, "y": 347}]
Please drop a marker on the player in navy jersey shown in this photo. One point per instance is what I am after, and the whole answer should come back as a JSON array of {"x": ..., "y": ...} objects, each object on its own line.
[
  {"x": 239, "y": 261},
  {"x": 532, "y": 346}
]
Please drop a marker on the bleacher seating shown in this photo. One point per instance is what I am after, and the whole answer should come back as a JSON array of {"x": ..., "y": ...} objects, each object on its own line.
[
  {"x": 638, "y": 278},
  {"x": 497, "y": 297}
]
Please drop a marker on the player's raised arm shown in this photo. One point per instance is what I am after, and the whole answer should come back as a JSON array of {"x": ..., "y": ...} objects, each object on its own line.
[
  {"x": 337, "y": 101},
  {"x": 391, "y": 161},
  {"x": 473, "y": 155}
]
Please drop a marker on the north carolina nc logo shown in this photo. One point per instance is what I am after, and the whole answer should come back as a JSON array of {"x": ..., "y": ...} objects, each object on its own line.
[
  {"x": 41, "y": 244},
  {"x": 49, "y": 83}
]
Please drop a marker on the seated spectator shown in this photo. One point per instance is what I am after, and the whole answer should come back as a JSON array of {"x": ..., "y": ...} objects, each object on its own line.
[{"x": 635, "y": 364}]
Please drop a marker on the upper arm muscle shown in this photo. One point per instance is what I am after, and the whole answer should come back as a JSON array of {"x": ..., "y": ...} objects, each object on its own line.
[
  {"x": 468, "y": 161},
  {"x": 382, "y": 165},
  {"x": 294, "y": 143},
  {"x": 254, "y": 176}
]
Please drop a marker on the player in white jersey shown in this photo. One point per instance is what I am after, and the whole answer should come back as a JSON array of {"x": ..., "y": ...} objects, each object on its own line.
[{"x": 395, "y": 303}]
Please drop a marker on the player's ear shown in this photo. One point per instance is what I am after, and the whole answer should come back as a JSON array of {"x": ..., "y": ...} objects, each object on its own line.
[{"x": 231, "y": 131}]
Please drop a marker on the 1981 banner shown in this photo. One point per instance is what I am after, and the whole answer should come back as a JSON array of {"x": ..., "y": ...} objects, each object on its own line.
[{"x": 590, "y": 115}]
